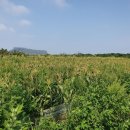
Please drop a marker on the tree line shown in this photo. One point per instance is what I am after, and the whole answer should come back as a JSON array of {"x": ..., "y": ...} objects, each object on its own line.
[
  {"x": 127, "y": 55},
  {"x": 4, "y": 52}
]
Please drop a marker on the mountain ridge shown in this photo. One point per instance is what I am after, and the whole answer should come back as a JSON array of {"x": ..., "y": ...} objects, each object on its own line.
[{"x": 29, "y": 51}]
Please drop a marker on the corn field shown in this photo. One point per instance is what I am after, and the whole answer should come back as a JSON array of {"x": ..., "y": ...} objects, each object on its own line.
[{"x": 96, "y": 89}]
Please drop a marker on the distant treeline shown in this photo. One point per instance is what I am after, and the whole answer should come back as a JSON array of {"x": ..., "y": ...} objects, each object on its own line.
[
  {"x": 4, "y": 52},
  {"x": 127, "y": 55}
]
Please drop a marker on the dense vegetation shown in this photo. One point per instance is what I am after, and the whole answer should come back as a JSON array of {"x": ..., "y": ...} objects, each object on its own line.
[{"x": 96, "y": 89}]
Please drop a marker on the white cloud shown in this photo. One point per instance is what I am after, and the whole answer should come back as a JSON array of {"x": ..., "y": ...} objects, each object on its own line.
[
  {"x": 11, "y": 29},
  {"x": 60, "y": 3},
  {"x": 13, "y": 8},
  {"x": 5, "y": 28},
  {"x": 24, "y": 23}
]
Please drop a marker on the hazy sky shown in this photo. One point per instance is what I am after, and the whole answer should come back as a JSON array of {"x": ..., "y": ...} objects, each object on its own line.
[{"x": 66, "y": 26}]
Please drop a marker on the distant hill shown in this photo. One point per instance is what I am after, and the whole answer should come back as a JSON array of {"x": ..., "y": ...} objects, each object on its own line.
[{"x": 29, "y": 51}]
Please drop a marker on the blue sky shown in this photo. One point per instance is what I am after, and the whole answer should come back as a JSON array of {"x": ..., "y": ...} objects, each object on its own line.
[{"x": 66, "y": 26}]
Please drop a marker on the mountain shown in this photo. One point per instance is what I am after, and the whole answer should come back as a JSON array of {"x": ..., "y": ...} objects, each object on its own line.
[{"x": 29, "y": 51}]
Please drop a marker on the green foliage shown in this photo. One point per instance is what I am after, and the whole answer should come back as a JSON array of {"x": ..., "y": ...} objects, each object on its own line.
[
  {"x": 97, "y": 91},
  {"x": 107, "y": 109},
  {"x": 13, "y": 116},
  {"x": 49, "y": 124}
]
